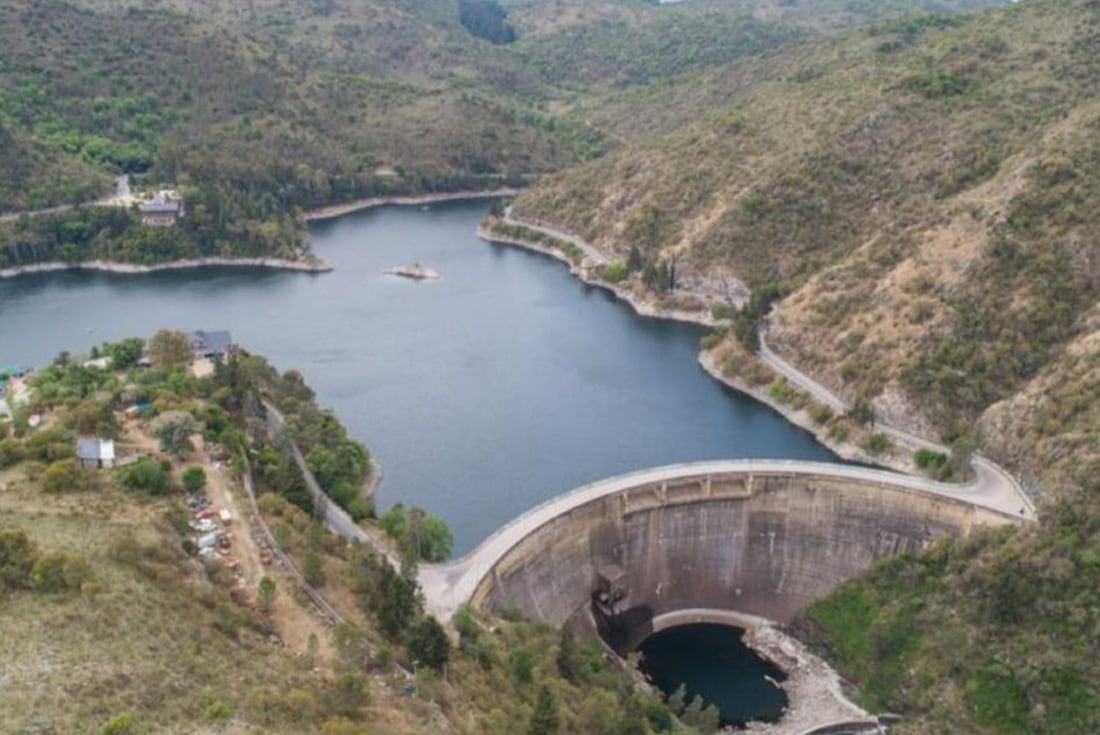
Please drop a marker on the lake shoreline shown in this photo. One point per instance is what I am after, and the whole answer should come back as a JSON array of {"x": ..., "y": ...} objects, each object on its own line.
[
  {"x": 642, "y": 307},
  {"x": 799, "y": 418},
  {"x": 109, "y": 266},
  {"x": 339, "y": 210}
]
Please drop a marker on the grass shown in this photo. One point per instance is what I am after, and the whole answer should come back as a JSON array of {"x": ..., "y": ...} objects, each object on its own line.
[{"x": 157, "y": 641}]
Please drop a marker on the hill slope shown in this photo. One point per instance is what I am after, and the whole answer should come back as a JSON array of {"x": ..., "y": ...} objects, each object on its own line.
[{"x": 923, "y": 194}]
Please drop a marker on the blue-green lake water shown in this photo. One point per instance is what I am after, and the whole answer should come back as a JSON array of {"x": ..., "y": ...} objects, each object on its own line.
[{"x": 483, "y": 394}]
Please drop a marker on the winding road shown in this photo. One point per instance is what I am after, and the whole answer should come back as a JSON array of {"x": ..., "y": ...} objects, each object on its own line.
[
  {"x": 589, "y": 250},
  {"x": 122, "y": 198},
  {"x": 994, "y": 484},
  {"x": 336, "y": 518}
]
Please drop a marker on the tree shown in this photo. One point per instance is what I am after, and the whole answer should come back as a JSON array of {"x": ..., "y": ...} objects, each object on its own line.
[
  {"x": 633, "y": 721},
  {"x": 435, "y": 539},
  {"x": 393, "y": 521},
  {"x": 92, "y": 417},
  {"x": 167, "y": 348},
  {"x": 678, "y": 699},
  {"x": 523, "y": 666},
  {"x": 704, "y": 719},
  {"x": 957, "y": 466},
  {"x": 348, "y": 695},
  {"x": 124, "y": 354},
  {"x": 313, "y": 568},
  {"x": 174, "y": 429},
  {"x": 267, "y": 592},
  {"x": 544, "y": 720},
  {"x": 17, "y": 557},
  {"x": 566, "y": 660},
  {"x": 428, "y": 643},
  {"x": 398, "y": 603},
  {"x": 486, "y": 19},
  {"x": 194, "y": 479}
]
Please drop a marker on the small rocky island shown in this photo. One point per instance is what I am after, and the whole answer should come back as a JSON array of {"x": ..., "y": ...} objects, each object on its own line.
[{"x": 415, "y": 271}]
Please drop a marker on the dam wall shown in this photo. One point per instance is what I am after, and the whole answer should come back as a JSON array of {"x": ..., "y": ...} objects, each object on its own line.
[{"x": 758, "y": 542}]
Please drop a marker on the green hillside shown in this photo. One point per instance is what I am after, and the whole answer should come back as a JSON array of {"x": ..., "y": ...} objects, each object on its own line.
[
  {"x": 118, "y": 620},
  {"x": 258, "y": 110}
]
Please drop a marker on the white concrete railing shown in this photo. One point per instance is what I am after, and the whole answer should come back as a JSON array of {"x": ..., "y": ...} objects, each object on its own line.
[{"x": 448, "y": 585}]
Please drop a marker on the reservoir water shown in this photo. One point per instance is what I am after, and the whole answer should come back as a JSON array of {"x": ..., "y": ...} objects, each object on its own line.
[{"x": 482, "y": 394}]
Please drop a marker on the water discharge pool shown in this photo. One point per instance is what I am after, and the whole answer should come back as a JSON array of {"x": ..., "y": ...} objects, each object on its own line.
[
  {"x": 712, "y": 662},
  {"x": 501, "y": 385}
]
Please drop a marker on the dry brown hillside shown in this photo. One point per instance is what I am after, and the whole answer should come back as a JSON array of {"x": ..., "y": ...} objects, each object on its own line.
[{"x": 925, "y": 193}]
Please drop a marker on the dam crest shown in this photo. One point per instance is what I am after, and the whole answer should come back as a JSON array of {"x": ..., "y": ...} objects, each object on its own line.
[{"x": 761, "y": 538}]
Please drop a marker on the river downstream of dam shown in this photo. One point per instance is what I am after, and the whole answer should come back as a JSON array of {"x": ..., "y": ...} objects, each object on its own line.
[{"x": 482, "y": 394}]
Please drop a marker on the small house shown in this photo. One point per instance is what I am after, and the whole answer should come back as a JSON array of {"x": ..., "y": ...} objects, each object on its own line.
[
  {"x": 96, "y": 453},
  {"x": 210, "y": 344},
  {"x": 164, "y": 210}
]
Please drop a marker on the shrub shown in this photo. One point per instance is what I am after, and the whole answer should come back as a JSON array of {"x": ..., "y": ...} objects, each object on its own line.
[
  {"x": 724, "y": 310},
  {"x": 615, "y": 272},
  {"x": 929, "y": 459},
  {"x": 361, "y": 508},
  {"x": 820, "y": 413},
  {"x": 68, "y": 476},
  {"x": 879, "y": 444},
  {"x": 194, "y": 479},
  {"x": 782, "y": 392},
  {"x": 942, "y": 84},
  {"x": 56, "y": 571},
  {"x": 313, "y": 568},
  {"x": 119, "y": 725},
  {"x": 146, "y": 474},
  {"x": 219, "y": 709}
]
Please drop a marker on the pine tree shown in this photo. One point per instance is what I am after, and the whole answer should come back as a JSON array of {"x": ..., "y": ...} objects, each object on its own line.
[
  {"x": 568, "y": 666},
  {"x": 544, "y": 720}
]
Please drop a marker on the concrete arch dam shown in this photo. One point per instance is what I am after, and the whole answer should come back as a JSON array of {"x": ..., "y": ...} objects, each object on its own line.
[{"x": 763, "y": 538}]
